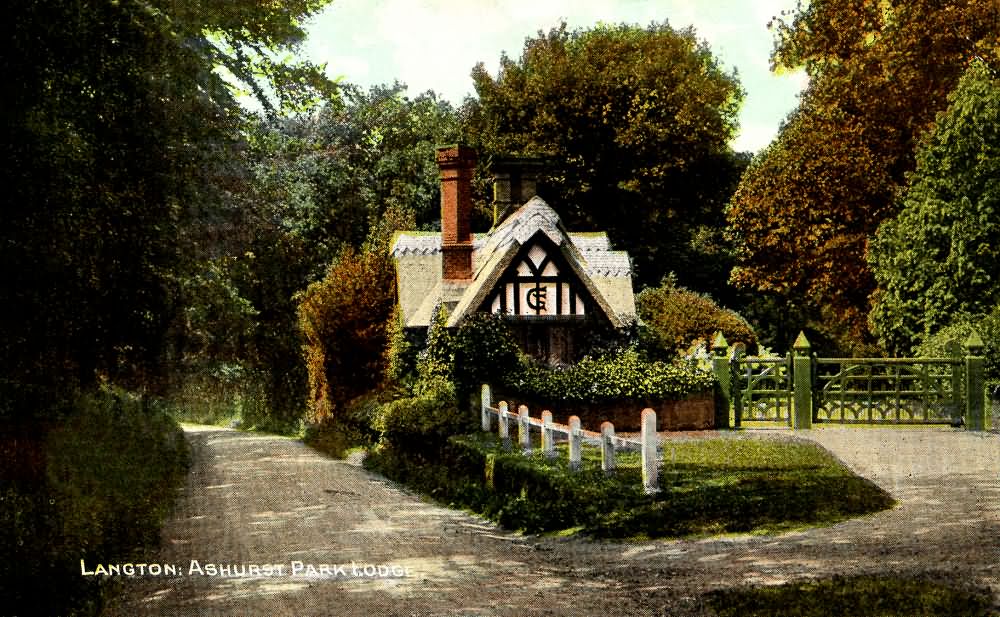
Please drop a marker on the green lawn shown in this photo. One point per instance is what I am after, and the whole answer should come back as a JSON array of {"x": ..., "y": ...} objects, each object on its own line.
[{"x": 710, "y": 486}]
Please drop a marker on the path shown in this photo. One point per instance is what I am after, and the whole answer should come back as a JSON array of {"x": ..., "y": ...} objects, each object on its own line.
[{"x": 254, "y": 500}]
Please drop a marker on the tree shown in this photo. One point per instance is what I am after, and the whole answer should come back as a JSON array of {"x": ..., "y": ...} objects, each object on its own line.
[
  {"x": 345, "y": 322},
  {"x": 937, "y": 261},
  {"x": 122, "y": 139},
  {"x": 806, "y": 208},
  {"x": 319, "y": 183},
  {"x": 634, "y": 124}
]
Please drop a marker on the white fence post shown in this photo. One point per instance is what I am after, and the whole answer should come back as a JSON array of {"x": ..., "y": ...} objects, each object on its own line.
[
  {"x": 650, "y": 460},
  {"x": 548, "y": 444},
  {"x": 487, "y": 402},
  {"x": 607, "y": 448},
  {"x": 523, "y": 429},
  {"x": 575, "y": 437},
  {"x": 504, "y": 425}
]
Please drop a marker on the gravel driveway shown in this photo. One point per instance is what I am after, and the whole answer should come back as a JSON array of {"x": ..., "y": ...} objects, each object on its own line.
[{"x": 267, "y": 526}]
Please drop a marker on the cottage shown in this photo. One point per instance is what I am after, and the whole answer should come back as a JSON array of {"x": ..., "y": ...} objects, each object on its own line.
[{"x": 550, "y": 283}]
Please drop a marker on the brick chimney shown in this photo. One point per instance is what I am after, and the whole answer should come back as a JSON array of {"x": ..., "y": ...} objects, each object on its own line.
[
  {"x": 514, "y": 183},
  {"x": 456, "y": 164}
]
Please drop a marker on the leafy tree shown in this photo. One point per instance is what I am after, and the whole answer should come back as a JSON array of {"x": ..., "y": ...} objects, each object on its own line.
[
  {"x": 937, "y": 260},
  {"x": 634, "y": 123},
  {"x": 345, "y": 322},
  {"x": 122, "y": 140},
  {"x": 806, "y": 208},
  {"x": 319, "y": 183}
]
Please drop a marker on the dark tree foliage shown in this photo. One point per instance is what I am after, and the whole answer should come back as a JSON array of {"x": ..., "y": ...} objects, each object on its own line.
[
  {"x": 634, "y": 124},
  {"x": 119, "y": 138}
]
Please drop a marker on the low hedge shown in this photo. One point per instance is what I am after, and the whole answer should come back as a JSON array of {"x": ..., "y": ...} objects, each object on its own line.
[
  {"x": 711, "y": 486},
  {"x": 622, "y": 375}
]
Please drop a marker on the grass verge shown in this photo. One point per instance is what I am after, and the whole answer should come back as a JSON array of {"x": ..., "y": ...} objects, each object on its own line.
[
  {"x": 707, "y": 486},
  {"x": 98, "y": 481},
  {"x": 873, "y": 596}
]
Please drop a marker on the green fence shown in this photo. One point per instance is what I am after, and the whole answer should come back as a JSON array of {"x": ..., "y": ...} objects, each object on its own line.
[{"x": 800, "y": 389}]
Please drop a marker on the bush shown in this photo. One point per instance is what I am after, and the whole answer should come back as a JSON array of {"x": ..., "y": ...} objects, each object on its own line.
[
  {"x": 345, "y": 320},
  {"x": 950, "y": 341},
  {"x": 674, "y": 318},
  {"x": 484, "y": 350},
  {"x": 425, "y": 420},
  {"x": 351, "y": 428},
  {"x": 621, "y": 375}
]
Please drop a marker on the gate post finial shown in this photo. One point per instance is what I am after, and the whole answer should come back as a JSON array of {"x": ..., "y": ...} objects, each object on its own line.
[{"x": 801, "y": 343}]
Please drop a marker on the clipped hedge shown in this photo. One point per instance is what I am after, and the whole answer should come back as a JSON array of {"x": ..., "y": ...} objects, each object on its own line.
[
  {"x": 622, "y": 375},
  {"x": 715, "y": 486}
]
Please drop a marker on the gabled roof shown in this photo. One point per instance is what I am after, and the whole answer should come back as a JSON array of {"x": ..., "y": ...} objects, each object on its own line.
[{"x": 606, "y": 274}]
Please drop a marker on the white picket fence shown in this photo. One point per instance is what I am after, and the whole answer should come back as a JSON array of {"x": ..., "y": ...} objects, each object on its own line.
[{"x": 648, "y": 443}]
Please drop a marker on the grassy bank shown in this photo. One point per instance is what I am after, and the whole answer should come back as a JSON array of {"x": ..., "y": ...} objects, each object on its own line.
[
  {"x": 92, "y": 481},
  {"x": 707, "y": 487}
]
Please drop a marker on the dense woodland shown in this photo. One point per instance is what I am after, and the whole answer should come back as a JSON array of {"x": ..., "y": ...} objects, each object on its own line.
[{"x": 161, "y": 240}]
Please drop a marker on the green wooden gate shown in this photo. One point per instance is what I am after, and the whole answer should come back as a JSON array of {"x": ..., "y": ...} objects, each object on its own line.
[
  {"x": 887, "y": 390},
  {"x": 763, "y": 389},
  {"x": 800, "y": 389}
]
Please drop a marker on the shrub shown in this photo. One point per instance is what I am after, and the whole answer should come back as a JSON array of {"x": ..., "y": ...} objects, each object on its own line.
[
  {"x": 437, "y": 359},
  {"x": 950, "y": 341},
  {"x": 484, "y": 350},
  {"x": 616, "y": 376},
  {"x": 350, "y": 428},
  {"x": 425, "y": 420},
  {"x": 106, "y": 480},
  {"x": 674, "y": 318}
]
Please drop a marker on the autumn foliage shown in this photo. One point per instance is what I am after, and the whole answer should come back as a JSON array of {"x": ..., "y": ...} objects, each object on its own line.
[
  {"x": 344, "y": 320},
  {"x": 807, "y": 207}
]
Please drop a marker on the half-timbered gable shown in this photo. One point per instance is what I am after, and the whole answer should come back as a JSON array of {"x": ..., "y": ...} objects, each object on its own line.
[{"x": 548, "y": 282}]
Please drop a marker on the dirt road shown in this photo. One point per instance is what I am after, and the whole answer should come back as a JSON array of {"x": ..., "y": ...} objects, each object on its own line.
[{"x": 266, "y": 526}]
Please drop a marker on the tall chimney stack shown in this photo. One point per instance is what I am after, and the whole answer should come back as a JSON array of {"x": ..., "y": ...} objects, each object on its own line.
[
  {"x": 514, "y": 183},
  {"x": 456, "y": 164}
]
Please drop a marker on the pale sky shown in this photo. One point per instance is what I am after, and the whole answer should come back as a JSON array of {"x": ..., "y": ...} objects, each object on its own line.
[{"x": 433, "y": 44}]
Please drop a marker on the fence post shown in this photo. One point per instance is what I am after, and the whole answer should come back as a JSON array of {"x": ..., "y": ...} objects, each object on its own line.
[
  {"x": 723, "y": 387},
  {"x": 523, "y": 429},
  {"x": 975, "y": 386},
  {"x": 504, "y": 425},
  {"x": 607, "y": 448},
  {"x": 487, "y": 402},
  {"x": 802, "y": 376},
  {"x": 574, "y": 442},
  {"x": 548, "y": 445},
  {"x": 650, "y": 459}
]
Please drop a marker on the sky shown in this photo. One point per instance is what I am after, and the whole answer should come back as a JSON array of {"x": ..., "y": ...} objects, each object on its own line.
[{"x": 433, "y": 44}]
